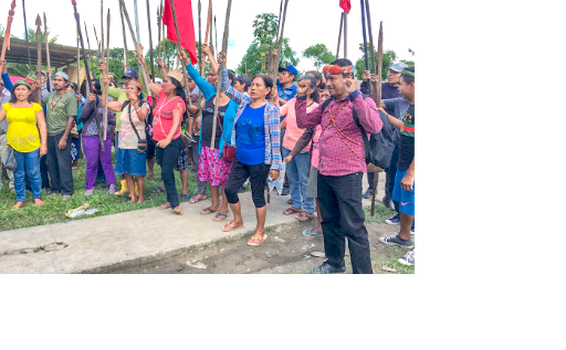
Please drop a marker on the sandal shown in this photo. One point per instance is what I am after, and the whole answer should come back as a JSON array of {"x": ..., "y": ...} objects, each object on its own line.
[
  {"x": 304, "y": 216},
  {"x": 230, "y": 227},
  {"x": 185, "y": 196},
  {"x": 207, "y": 211},
  {"x": 159, "y": 190},
  {"x": 196, "y": 199},
  {"x": 220, "y": 217},
  {"x": 308, "y": 232},
  {"x": 256, "y": 241},
  {"x": 292, "y": 210}
]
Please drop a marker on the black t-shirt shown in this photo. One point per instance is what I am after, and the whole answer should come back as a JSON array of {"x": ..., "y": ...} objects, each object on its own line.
[
  {"x": 207, "y": 118},
  {"x": 407, "y": 148}
]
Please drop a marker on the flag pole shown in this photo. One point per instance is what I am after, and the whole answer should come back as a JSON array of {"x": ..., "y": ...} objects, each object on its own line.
[
  {"x": 340, "y": 35},
  {"x": 179, "y": 48},
  {"x": 345, "y": 34}
]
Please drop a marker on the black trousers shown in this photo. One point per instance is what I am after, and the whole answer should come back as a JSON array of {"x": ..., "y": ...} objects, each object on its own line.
[
  {"x": 166, "y": 159},
  {"x": 59, "y": 165},
  {"x": 340, "y": 199},
  {"x": 258, "y": 178}
]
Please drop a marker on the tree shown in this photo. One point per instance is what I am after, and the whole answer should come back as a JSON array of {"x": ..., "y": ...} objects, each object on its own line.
[
  {"x": 256, "y": 58},
  {"x": 31, "y": 36},
  {"x": 320, "y": 55},
  {"x": 389, "y": 57}
]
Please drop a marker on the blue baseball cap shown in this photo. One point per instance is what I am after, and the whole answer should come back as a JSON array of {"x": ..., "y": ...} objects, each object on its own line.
[
  {"x": 290, "y": 69},
  {"x": 131, "y": 73}
]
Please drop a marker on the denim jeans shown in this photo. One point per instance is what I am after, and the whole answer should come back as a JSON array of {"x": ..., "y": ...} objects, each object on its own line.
[
  {"x": 28, "y": 164},
  {"x": 298, "y": 172}
]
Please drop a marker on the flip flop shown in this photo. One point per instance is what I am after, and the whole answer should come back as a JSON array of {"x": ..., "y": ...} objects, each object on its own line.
[
  {"x": 185, "y": 196},
  {"x": 292, "y": 210},
  {"x": 196, "y": 199},
  {"x": 209, "y": 210},
  {"x": 256, "y": 241},
  {"x": 158, "y": 190},
  {"x": 228, "y": 227},
  {"x": 220, "y": 217},
  {"x": 308, "y": 232}
]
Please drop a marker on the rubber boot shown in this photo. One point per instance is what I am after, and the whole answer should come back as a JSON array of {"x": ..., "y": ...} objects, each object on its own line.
[{"x": 123, "y": 188}]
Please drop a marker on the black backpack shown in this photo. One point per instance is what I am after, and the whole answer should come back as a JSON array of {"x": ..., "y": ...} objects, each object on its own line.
[{"x": 379, "y": 147}]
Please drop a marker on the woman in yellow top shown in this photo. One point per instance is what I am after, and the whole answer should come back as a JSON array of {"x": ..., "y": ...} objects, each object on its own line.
[{"x": 24, "y": 118}]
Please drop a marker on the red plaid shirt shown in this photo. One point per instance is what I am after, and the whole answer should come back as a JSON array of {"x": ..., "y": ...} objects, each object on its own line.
[{"x": 342, "y": 150}]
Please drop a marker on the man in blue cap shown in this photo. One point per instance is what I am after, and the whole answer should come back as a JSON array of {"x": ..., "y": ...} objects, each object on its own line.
[{"x": 286, "y": 88}]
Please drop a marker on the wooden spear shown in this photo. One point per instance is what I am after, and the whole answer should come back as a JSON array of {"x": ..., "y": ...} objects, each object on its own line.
[
  {"x": 220, "y": 67},
  {"x": 208, "y": 19},
  {"x": 38, "y": 39},
  {"x": 199, "y": 35},
  {"x": 277, "y": 58},
  {"x": 340, "y": 35},
  {"x": 136, "y": 17},
  {"x": 365, "y": 40},
  {"x": 106, "y": 85},
  {"x": 345, "y": 34},
  {"x": 126, "y": 63},
  {"x": 47, "y": 52},
  {"x": 150, "y": 42},
  {"x": 6, "y": 41},
  {"x": 88, "y": 44},
  {"x": 87, "y": 69},
  {"x": 95, "y": 70},
  {"x": 78, "y": 59},
  {"x": 379, "y": 61},
  {"x": 130, "y": 27},
  {"x": 26, "y": 34},
  {"x": 376, "y": 88}
]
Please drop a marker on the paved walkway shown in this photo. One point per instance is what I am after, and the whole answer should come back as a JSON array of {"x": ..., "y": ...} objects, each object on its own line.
[
  {"x": 125, "y": 238},
  {"x": 85, "y": 245}
]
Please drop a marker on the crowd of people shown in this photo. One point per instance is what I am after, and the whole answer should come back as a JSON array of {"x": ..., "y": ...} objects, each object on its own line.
[{"x": 305, "y": 125}]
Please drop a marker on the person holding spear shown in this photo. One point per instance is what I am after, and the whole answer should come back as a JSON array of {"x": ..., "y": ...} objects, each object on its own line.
[{"x": 169, "y": 112}]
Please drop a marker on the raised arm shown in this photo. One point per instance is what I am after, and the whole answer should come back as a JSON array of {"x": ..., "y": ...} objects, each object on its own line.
[
  {"x": 5, "y": 76},
  {"x": 208, "y": 90},
  {"x": 234, "y": 94},
  {"x": 367, "y": 112},
  {"x": 153, "y": 87}
]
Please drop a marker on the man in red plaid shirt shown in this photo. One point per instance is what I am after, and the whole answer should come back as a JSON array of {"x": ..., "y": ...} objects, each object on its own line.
[{"x": 341, "y": 166}]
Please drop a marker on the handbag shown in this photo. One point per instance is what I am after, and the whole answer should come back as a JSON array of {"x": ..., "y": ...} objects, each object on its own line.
[
  {"x": 142, "y": 143},
  {"x": 11, "y": 162},
  {"x": 228, "y": 151}
]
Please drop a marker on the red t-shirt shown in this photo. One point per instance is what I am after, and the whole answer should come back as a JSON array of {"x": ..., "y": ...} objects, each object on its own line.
[{"x": 163, "y": 116}]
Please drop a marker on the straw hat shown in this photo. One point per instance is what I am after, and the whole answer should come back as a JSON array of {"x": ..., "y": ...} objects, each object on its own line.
[{"x": 177, "y": 74}]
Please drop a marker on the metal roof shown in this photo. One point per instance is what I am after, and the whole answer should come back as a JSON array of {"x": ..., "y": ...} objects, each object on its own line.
[{"x": 60, "y": 55}]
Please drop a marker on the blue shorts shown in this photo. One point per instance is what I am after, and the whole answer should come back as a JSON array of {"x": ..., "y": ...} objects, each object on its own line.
[
  {"x": 129, "y": 161},
  {"x": 406, "y": 199}
]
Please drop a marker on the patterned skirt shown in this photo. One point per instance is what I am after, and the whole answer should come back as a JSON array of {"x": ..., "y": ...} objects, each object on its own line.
[{"x": 212, "y": 169}]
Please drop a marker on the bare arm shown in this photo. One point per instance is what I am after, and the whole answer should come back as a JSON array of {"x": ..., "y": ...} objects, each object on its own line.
[
  {"x": 409, "y": 178},
  {"x": 2, "y": 114},
  {"x": 174, "y": 127},
  {"x": 42, "y": 132}
]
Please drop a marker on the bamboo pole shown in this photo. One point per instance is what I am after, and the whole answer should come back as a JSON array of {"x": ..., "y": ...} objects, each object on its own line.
[
  {"x": 26, "y": 34},
  {"x": 150, "y": 42},
  {"x": 140, "y": 54},
  {"x": 38, "y": 39},
  {"x": 126, "y": 62}
]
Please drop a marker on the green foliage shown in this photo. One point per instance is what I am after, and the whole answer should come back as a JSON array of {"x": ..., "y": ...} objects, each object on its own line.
[
  {"x": 320, "y": 55},
  {"x": 409, "y": 63},
  {"x": 32, "y": 37},
  {"x": 389, "y": 57},
  {"x": 256, "y": 58}
]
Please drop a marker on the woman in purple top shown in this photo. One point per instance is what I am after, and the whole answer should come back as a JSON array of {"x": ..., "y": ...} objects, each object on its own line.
[{"x": 91, "y": 142}]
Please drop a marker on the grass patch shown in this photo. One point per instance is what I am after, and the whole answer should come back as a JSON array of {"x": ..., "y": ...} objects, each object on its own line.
[
  {"x": 391, "y": 262},
  {"x": 382, "y": 213},
  {"x": 54, "y": 209}
]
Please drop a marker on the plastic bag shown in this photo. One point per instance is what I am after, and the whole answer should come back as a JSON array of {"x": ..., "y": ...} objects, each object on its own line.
[{"x": 11, "y": 163}]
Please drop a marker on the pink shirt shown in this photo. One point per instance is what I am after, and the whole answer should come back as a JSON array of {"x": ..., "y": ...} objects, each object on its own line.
[
  {"x": 292, "y": 132},
  {"x": 315, "y": 146},
  {"x": 163, "y": 116},
  {"x": 342, "y": 150}
]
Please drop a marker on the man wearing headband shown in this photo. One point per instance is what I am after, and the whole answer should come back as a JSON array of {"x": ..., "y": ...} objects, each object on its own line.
[
  {"x": 341, "y": 166},
  {"x": 60, "y": 117}
]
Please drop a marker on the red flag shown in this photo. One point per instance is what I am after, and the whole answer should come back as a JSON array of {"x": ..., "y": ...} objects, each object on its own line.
[
  {"x": 345, "y": 5},
  {"x": 184, "y": 11}
]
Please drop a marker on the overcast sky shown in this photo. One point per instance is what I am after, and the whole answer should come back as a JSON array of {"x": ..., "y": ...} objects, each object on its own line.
[{"x": 309, "y": 22}]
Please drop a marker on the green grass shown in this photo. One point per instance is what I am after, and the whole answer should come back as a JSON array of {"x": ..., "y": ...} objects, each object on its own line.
[
  {"x": 382, "y": 213},
  {"x": 54, "y": 209},
  {"x": 392, "y": 262}
]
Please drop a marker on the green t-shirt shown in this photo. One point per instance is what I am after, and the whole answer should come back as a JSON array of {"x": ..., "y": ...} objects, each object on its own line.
[
  {"x": 59, "y": 109},
  {"x": 118, "y": 95}
]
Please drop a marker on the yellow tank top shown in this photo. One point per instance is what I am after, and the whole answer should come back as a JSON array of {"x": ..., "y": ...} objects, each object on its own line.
[{"x": 22, "y": 134}]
